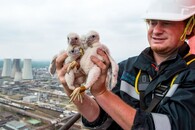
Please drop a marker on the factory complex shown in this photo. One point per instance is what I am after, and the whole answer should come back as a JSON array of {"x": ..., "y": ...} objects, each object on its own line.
[{"x": 31, "y": 99}]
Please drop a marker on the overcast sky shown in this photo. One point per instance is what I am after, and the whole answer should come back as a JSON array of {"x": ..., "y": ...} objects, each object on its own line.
[{"x": 37, "y": 29}]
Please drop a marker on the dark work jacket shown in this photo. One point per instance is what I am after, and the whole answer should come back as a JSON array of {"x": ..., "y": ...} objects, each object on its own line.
[{"x": 176, "y": 111}]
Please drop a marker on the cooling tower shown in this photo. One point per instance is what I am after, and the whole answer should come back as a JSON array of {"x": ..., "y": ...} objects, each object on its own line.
[
  {"x": 15, "y": 67},
  {"x": 18, "y": 76},
  {"x": 27, "y": 69},
  {"x": 6, "y": 72}
]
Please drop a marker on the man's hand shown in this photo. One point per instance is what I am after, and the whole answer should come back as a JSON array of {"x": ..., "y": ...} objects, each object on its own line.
[
  {"x": 61, "y": 70},
  {"x": 100, "y": 86}
]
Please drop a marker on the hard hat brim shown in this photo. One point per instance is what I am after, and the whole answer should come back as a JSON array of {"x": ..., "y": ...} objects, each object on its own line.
[{"x": 167, "y": 17}]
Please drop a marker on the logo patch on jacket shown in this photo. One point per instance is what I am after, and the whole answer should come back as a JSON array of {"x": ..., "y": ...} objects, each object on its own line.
[{"x": 130, "y": 78}]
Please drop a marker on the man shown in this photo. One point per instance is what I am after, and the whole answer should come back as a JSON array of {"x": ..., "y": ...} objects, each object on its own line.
[
  {"x": 192, "y": 44},
  {"x": 155, "y": 90}
]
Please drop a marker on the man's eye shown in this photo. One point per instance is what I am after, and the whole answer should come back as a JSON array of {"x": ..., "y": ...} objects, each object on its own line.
[
  {"x": 152, "y": 23},
  {"x": 167, "y": 23}
]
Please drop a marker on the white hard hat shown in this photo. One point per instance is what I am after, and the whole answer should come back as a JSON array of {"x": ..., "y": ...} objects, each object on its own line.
[{"x": 171, "y": 10}]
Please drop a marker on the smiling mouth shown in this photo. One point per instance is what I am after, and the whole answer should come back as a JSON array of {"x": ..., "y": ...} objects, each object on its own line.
[{"x": 158, "y": 39}]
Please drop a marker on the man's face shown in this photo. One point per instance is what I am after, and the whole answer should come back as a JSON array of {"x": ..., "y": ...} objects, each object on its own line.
[{"x": 164, "y": 36}]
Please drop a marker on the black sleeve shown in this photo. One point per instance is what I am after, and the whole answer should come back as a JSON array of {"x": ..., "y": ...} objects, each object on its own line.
[
  {"x": 98, "y": 122},
  {"x": 143, "y": 121}
]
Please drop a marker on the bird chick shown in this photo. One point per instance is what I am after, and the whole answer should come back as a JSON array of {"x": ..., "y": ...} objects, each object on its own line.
[
  {"x": 92, "y": 41},
  {"x": 74, "y": 52}
]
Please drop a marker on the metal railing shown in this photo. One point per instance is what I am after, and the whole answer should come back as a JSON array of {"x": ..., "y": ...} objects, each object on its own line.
[{"x": 71, "y": 121}]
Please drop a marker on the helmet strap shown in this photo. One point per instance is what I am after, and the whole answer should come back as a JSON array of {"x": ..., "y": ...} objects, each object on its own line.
[{"x": 188, "y": 28}]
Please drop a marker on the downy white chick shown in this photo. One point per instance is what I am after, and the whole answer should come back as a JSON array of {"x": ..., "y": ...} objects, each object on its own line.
[
  {"x": 74, "y": 52},
  {"x": 73, "y": 45},
  {"x": 92, "y": 70}
]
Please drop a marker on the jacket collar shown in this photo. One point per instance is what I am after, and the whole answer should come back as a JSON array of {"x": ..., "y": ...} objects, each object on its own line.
[{"x": 146, "y": 57}]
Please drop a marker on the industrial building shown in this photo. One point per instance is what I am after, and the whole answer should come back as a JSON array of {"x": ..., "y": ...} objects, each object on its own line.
[
  {"x": 16, "y": 67},
  {"x": 30, "y": 99},
  {"x": 6, "y": 72},
  {"x": 15, "y": 125},
  {"x": 34, "y": 98},
  {"x": 27, "y": 69},
  {"x": 13, "y": 69}
]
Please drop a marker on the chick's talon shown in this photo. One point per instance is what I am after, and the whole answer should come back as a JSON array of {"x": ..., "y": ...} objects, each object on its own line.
[
  {"x": 75, "y": 94},
  {"x": 82, "y": 89},
  {"x": 71, "y": 66}
]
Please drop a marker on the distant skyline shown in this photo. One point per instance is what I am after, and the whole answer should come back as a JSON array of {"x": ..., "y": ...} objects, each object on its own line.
[
  {"x": 35, "y": 63},
  {"x": 37, "y": 29}
]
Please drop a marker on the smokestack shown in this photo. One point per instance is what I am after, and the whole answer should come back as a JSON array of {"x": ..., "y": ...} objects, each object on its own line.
[
  {"x": 15, "y": 67},
  {"x": 27, "y": 69},
  {"x": 6, "y": 72}
]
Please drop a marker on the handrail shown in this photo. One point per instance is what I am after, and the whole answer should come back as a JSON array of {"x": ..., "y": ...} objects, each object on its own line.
[{"x": 70, "y": 122}]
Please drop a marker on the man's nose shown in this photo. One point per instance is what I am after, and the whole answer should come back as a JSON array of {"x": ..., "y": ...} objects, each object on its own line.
[{"x": 158, "y": 28}]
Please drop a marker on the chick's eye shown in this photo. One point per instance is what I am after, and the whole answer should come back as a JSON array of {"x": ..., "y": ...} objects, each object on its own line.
[
  {"x": 93, "y": 36},
  {"x": 76, "y": 38}
]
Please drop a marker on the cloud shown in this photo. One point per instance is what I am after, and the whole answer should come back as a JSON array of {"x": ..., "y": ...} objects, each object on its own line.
[{"x": 37, "y": 28}]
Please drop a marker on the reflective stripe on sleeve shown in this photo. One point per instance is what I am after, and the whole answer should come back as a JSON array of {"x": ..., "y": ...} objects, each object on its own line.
[
  {"x": 161, "y": 121},
  {"x": 129, "y": 89}
]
